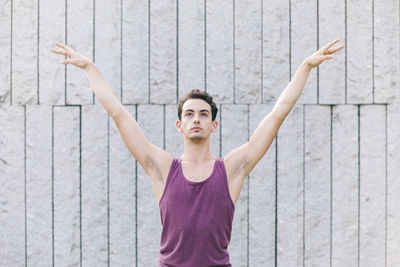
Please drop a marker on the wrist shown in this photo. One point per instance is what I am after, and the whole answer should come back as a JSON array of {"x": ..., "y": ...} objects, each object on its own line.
[
  {"x": 89, "y": 66},
  {"x": 306, "y": 64}
]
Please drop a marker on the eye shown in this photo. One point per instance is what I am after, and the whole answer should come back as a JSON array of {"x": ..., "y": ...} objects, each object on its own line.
[{"x": 205, "y": 114}]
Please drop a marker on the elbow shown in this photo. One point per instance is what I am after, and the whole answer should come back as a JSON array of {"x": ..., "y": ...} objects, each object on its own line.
[{"x": 117, "y": 113}]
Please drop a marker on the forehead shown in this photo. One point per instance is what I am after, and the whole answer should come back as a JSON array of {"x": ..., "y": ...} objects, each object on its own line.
[{"x": 196, "y": 104}]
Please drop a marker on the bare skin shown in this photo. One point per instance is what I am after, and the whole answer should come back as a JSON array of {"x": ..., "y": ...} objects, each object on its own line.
[{"x": 197, "y": 160}]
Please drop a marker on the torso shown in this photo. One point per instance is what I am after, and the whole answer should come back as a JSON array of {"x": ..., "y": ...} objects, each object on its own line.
[{"x": 195, "y": 173}]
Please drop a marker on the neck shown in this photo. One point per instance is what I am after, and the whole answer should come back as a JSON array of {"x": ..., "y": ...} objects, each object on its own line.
[{"x": 197, "y": 151}]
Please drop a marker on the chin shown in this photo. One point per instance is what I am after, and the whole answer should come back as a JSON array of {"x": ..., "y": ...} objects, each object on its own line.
[{"x": 196, "y": 136}]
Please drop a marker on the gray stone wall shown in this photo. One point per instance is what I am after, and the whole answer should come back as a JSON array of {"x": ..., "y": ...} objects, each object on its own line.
[{"x": 327, "y": 193}]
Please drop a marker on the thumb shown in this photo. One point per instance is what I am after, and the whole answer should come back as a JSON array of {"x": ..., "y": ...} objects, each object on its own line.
[
  {"x": 67, "y": 61},
  {"x": 328, "y": 57}
]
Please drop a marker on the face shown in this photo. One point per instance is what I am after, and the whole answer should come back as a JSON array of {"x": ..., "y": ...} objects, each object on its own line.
[{"x": 196, "y": 120}]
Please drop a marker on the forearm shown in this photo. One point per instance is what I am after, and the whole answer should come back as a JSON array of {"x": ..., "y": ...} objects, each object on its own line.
[
  {"x": 292, "y": 92},
  {"x": 103, "y": 91}
]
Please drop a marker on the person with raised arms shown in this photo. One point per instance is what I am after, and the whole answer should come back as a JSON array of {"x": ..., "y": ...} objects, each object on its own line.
[{"x": 197, "y": 191}]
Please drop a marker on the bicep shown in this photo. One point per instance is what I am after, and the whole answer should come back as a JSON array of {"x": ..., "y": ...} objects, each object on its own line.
[
  {"x": 153, "y": 159},
  {"x": 242, "y": 160}
]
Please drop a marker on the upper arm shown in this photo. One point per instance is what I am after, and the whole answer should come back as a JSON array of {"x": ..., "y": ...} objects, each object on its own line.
[
  {"x": 241, "y": 161},
  {"x": 154, "y": 160}
]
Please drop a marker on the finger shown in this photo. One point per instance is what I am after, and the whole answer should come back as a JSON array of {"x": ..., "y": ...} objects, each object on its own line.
[
  {"x": 334, "y": 50},
  {"x": 327, "y": 57},
  {"x": 67, "y": 61},
  {"x": 61, "y": 52},
  {"x": 329, "y": 45},
  {"x": 62, "y": 45}
]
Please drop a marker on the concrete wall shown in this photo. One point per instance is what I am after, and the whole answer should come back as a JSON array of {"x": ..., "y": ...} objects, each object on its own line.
[{"x": 325, "y": 194}]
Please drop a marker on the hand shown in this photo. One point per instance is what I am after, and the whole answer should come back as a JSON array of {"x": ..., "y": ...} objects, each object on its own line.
[
  {"x": 323, "y": 54},
  {"x": 73, "y": 57}
]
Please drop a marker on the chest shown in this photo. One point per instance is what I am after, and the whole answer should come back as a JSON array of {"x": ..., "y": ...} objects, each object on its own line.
[{"x": 197, "y": 173}]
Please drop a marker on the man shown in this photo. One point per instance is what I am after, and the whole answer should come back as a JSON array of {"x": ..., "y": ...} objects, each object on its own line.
[{"x": 197, "y": 191}]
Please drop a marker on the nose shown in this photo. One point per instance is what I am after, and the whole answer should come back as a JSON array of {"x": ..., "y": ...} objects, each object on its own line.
[{"x": 197, "y": 118}]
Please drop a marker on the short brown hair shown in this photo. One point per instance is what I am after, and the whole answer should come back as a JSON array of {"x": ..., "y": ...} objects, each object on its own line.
[{"x": 197, "y": 94}]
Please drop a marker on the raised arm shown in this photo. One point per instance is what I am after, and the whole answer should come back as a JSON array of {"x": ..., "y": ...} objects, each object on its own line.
[
  {"x": 153, "y": 159},
  {"x": 243, "y": 159}
]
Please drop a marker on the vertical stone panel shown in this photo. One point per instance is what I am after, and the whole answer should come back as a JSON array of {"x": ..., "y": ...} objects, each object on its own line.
[
  {"x": 163, "y": 51},
  {"x": 386, "y": 51},
  {"x": 219, "y": 50},
  {"x": 393, "y": 185},
  {"x": 80, "y": 38},
  {"x": 173, "y": 139},
  {"x": 150, "y": 119},
  {"x": 94, "y": 186},
  {"x": 359, "y": 51},
  {"x": 24, "y": 52},
  {"x": 372, "y": 185},
  {"x": 191, "y": 46},
  {"x": 290, "y": 190},
  {"x": 12, "y": 179},
  {"x": 39, "y": 185},
  {"x": 51, "y": 72},
  {"x": 234, "y": 132},
  {"x": 262, "y": 199},
  {"x": 247, "y": 51},
  {"x": 317, "y": 185},
  {"x": 135, "y": 51},
  {"x": 122, "y": 199},
  {"x": 66, "y": 186},
  {"x": 304, "y": 43},
  {"x": 332, "y": 72},
  {"x": 275, "y": 59},
  {"x": 345, "y": 186},
  {"x": 108, "y": 42},
  {"x": 5, "y": 44}
]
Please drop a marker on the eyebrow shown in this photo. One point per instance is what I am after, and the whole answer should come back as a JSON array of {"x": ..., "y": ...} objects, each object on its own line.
[{"x": 203, "y": 110}]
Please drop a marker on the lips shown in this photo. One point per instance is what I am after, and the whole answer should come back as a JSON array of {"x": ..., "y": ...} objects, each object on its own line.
[{"x": 196, "y": 128}]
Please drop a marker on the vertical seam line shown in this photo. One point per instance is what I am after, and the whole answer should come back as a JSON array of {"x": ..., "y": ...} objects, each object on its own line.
[
  {"x": 304, "y": 187},
  {"x": 373, "y": 51},
  {"x": 177, "y": 51},
  {"x": 136, "y": 209},
  {"x": 386, "y": 180},
  {"x": 149, "y": 52},
  {"x": 317, "y": 49},
  {"x": 37, "y": 54},
  {"x": 248, "y": 193},
  {"x": 331, "y": 181},
  {"x": 205, "y": 45},
  {"x": 52, "y": 184},
  {"x": 345, "y": 51},
  {"x": 262, "y": 53},
  {"x": 121, "y": 49},
  {"x": 26, "y": 240},
  {"x": 359, "y": 183},
  {"x": 276, "y": 201},
  {"x": 108, "y": 191},
  {"x": 234, "y": 48}
]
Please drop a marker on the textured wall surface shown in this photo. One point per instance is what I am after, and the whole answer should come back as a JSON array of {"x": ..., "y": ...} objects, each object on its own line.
[{"x": 327, "y": 193}]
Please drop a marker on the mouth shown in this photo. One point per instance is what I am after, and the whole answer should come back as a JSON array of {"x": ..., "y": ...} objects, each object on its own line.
[{"x": 196, "y": 128}]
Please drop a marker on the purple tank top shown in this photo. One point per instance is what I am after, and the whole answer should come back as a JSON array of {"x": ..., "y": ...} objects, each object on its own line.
[{"x": 196, "y": 218}]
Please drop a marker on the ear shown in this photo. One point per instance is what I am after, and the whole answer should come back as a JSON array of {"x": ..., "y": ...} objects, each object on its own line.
[
  {"x": 178, "y": 126},
  {"x": 214, "y": 125}
]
